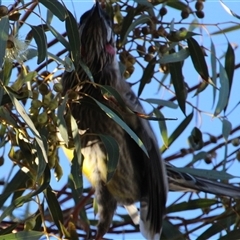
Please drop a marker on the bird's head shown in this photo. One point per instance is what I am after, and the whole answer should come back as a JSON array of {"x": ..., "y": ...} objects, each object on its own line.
[{"x": 96, "y": 36}]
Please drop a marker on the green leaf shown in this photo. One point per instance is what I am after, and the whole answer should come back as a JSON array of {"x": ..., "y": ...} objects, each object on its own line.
[
  {"x": 198, "y": 58},
  {"x": 223, "y": 92},
  {"x": 175, "y": 57},
  {"x": 6, "y": 116},
  {"x": 201, "y": 87},
  {"x": 119, "y": 121},
  {"x": 217, "y": 226},
  {"x": 112, "y": 149},
  {"x": 29, "y": 122},
  {"x": 170, "y": 231},
  {"x": 39, "y": 35},
  {"x": 73, "y": 37},
  {"x": 109, "y": 91},
  {"x": 162, "y": 126},
  {"x": 144, "y": 3},
  {"x": 61, "y": 123},
  {"x": 147, "y": 75},
  {"x": 54, "y": 207},
  {"x": 228, "y": 10},
  {"x": 76, "y": 140},
  {"x": 182, "y": 126},
  {"x": 76, "y": 174},
  {"x": 49, "y": 17},
  {"x": 161, "y": 102},
  {"x": 226, "y": 30},
  {"x": 196, "y": 139},
  {"x": 177, "y": 5},
  {"x": 59, "y": 37},
  {"x": 199, "y": 156},
  {"x": 178, "y": 84},
  {"x": 234, "y": 234},
  {"x": 41, "y": 161},
  {"x": 226, "y": 129},
  {"x": 230, "y": 66},
  {"x": 128, "y": 25},
  {"x": 18, "y": 202},
  {"x": 4, "y": 26},
  {"x": 28, "y": 235},
  {"x": 17, "y": 182},
  {"x": 191, "y": 205},
  {"x": 56, "y": 8},
  {"x": 7, "y": 72},
  {"x": 8, "y": 229},
  {"x": 209, "y": 174},
  {"x": 214, "y": 69}
]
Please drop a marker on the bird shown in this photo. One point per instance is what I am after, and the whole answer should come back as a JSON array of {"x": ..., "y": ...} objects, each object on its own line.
[{"x": 138, "y": 177}]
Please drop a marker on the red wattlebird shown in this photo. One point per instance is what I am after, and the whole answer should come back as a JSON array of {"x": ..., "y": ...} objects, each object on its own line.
[{"x": 138, "y": 177}]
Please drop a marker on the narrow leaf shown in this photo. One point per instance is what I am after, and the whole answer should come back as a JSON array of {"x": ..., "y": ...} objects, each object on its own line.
[
  {"x": 226, "y": 129},
  {"x": 127, "y": 28},
  {"x": 54, "y": 207},
  {"x": 119, "y": 121},
  {"x": 28, "y": 235},
  {"x": 41, "y": 41},
  {"x": 223, "y": 92},
  {"x": 76, "y": 140},
  {"x": 198, "y": 59},
  {"x": 73, "y": 37},
  {"x": 147, "y": 75},
  {"x": 29, "y": 122},
  {"x": 76, "y": 174},
  {"x": 162, "y": 126},
  {"x": 178, "y": 84},
  {"x": 175, "y": 57},
  {"x": 112, "y": 149},
  {"x": 4, "y": 26},
  {"x": 214, "y": 69},
  {"x": 230, "y": 66},
  {"x": 191, "y": 205},
  {"x": 61, "y": 123},
  {"x": 161, "y": 102},
  {"x": 56, "y": 8},
  {"x": 181, "y": 127}
]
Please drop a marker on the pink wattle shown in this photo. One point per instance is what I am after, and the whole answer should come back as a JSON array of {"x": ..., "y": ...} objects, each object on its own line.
[{"x": 110, "y": 49}]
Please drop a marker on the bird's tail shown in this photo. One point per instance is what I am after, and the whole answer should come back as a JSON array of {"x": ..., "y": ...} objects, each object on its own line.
[{"x": 181, "y": 181}]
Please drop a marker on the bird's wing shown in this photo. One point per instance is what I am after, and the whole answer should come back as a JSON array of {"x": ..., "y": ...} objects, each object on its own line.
[
  {"x": 180, "y": 181},
  {"x": 157, "y": 186}
]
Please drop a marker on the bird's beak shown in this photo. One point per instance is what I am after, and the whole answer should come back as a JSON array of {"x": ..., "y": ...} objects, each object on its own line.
[{"x": 96, "y": 11}]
